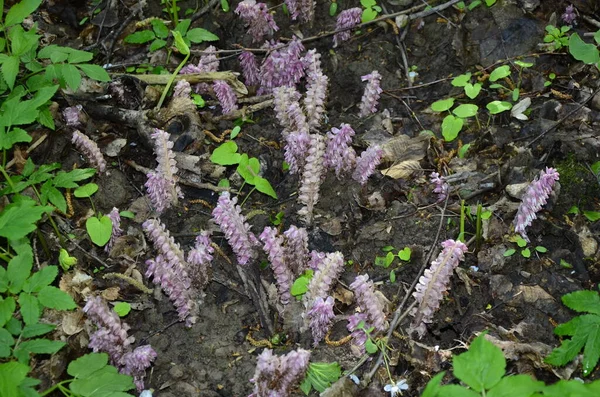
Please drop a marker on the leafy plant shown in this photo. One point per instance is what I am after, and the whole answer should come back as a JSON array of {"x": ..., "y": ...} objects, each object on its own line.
[
  {"x": 584, "y": 52},
  {"x": 385, "y": 261},
  {"x": 300, "y": 286},
  {"x": 557, "y": 37},
  {"x": 584, "y": 331},
  {"x": 159, "y": 35},
  {"x": 522, "y": 244},
  {"x": 320, "y": 376},
  {"x": 371, "y": 10}
]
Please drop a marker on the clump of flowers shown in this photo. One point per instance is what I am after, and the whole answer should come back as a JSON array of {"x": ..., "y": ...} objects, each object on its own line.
[
  {"x": 316, "y": 88},
  {"x": 249, "y": 67},
  {"x": 534, "y": 198},
  {"x": 340, "y": 156},
  {"x": 311, "y": 178},
  {"x": 347, "y": 20},
  {"x": 89, "y": 149},
  {"x": 200, "y": 257},
  {"x": 229, "y": 217},
  {"x": 283, "y": 66},
  {"x": 72, "y": 115},
  {"x": 117, "y": 232},
  {"x": 569, "y": 16},
  {"x": 111, "y": 337},
  {"x": 226, "y": 96},
  {"x": 301, "y": 9},
  {"x": 278, "y": 375},
  {"x": 257, "y": 18},
  {"x": 366, "y": 164},
  {"x": 372, "y": 93},
  {"x": 273, "y": 246},
  {"x": 364, "y": 292},
  {"x": 440, "y": 186},
  {"x": 161, "y": 184}
]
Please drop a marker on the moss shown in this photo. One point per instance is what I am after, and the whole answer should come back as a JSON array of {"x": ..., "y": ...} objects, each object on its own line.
[{"x": 577, "y": 184}]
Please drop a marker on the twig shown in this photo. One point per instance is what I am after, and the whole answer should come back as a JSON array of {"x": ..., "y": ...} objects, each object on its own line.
[{"x": 204, "y": 10}]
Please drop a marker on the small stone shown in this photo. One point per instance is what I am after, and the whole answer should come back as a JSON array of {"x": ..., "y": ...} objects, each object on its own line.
[
  {"x": 184, "y": 389},
  {"x": 176, "y": 372},
  {"x": 516, "y": 190}
]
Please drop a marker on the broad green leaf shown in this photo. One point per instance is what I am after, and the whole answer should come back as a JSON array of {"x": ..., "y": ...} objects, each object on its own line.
[
  {"x": 368, "y": 14},
  {"x": 41, "y": 346},
  {"x": 10, "y": 69},
  {"x": 20, "y": 11},
  {"x": 14, "y": 326},
  {"x": 15, "y": 135},
  {"x": 462, "y": 80},
  {"x": 56, "y": 198},
  {"x": 592, "y": 216},
  {"x": 19, "y": 269},
  {"x": 157, "y": 45},
  {"x": 582, "y": 51},
  {"x": 6, "y": 341},
  {"x": 442, "y": 105},
  {"x": 99, "y": 229},
  {"x": 597, "y": 37},
  {"x": 85, "y": 366},
  {"x": 322, "y": 375},
  {"x": 526, "y": 253},
  {"x": 451, "y": 126},
  {"x": 140, "y": 37},
  {"x": 122, "y": 308},
  {"x": 40, "y": 279},
  {"x": 78, "y": 56},
  {"x": 496, "y": 107},
  {"x": 524, "y": 64},
  {"x": 183, "y": 26},
  {"x": 7, "y": 308},
  {"x": 456, "y": 391},
  {"x": 226, "y": 154},
  {"x": 180, "y": 43},
  {"x": 264, "y": 186},
  {"x": 248, "y": 168},
  {"x": 43, "y": 95},
  {"x": 86, "y": 190},
  {"x": 300, "y": 286},
  {"x": 466, "y": 110},
  {"x": 72, "y": 76},
  {"x": 30, "y": 308},
  {"x": 370, "y": 346},
  {"x": 3, "y": 280},
  {"x": 333, "y": 7},
  {"x": 12, "y": 374},
  {"x": 405, "y": 254},
  {"x": 198, "y": 35},
  {"x": 29, "y": 331},
  {"x": 102, "y": 385},
  {"x": 94, "y": 72},
  {"x": 500, "y": 73},
  {"x": 54, "y": 298},
  {"x": 472, "y": 90},
  {"x": 509, "y": 252},
  {"x": 482, "y": 366},
  {"x": 160, "y": 29},
  {"x": 19, "y": 218},
  {"x": 67, "y": 179},
  {"x": 583, "y": 301},
  {"x": 434, "y": 385}
]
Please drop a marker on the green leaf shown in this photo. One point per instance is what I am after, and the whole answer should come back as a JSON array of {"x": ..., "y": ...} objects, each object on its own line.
[
  {"x": 524, "y": 64},
  {"x": 456, "y": 391},
  {"x": 500, "y": 73},
  {"x": 592, "y": 216},
  {"x": 466, "y": 110},
  {"x": 235, "y": 132},
  {"x": 94, "y": 72},
  {"x": 67, "y": 179},
  {"x": 49, "y": 192},
  {"x": 10, "y": 69},
  {"x": 405, "y": 254},
  {"x": 183, "y": 26},
  {"x": 86, "y": 190},
  {"x": 19, "y": 218},
  {"x": 462, "y": 80},
  {"x": 442, "y": 105},
  {"x": 333, "y": 7},
  {"x": 3, "y": 280},
  {"x": 180, "y": 43},
  {"x": 157, "y": 45},
  {"x": 583, "y": 301},
  {"x": 65, "y": 260},
  {"x": 40, "y": 279},
  {"x": 20, "y": 11},
  {"x": 99, "y": 229},
  {"x": 78, "y": 56},
  {"x": 370, "y": 346},
  {"x": 127, "y": 214},
  {"x": 160, "y": 29},
  {"x": 526, "y": 253},
  {"x": 541, "y": 249},
  {"x": 472, "y": 90},
  {"x": 322, "y": 375},
  {"x": 226, "y": 154},
  {"x": 122, "y": 308},
  {"x": 198, "y": 35},
  {"x": 14, "y": 326},
  {"x": 462, "y": 151},
  {"x": 72, "y": 77},
  {"x": 509, "y": 252},
  {"x": 85, "y": 366},
  {"x": 451, "y": 126},
  {"x": 264, "y": 186},
  {"x": 30, "y": 308},
  {"x": 248, "y": 168},
  {"x": 8, "y": 139},
  {"x": 482, "y": 366},
  {"x": 7, "y": 308},
  {"x": 433, "y": 386},
  {"x": 300, "y": 286},
  {"x": 392, "y": 276},
  {"x": 102, "y": 385},
  {"x": 6, "y": 341},
  {"x": 37, "y": 329},
  {"x": 515, "y": 95},
  {"x": 12, "y": 374},
  {"x": 19, "y": 269},
  {"x": 496, "y": 107},
  {"x": 54, "y": 298},
  {"x": 41, "y": 346},
  {"x": 490, "y": 3},
  {"x": 565, "y": 264},
  {"x": 582, "y": 51},
  {"x": 368, "y": 14},
  {"x": 140, "y": 37}
]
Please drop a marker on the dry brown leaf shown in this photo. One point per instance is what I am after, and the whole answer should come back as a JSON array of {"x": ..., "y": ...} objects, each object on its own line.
[
  {"x": 403, "y": 170},
  {"x": 111, "y": 294},
  {"x": 72, "y": 322},
  {"x": 343, "y": 295}
]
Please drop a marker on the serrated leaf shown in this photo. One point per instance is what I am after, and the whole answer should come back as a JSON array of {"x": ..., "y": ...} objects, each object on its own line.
[
  {"x": 86, "y": 190},
  {"x": 20, "y": 11},
  {"x": 466, "y": 110},
  {"x": 451, "y": 126},
  {"x": 583, "y": 301},
  {"x": 71, "y": 76},
  {"x": 67, "y": 179},
  {"x": 102, "y": 385},
  {"x": 264, "y": 186},
  {"x": 45, "y": 118},
  {"x": 85, "y": 366},
  {"x": 29, "y": 331},
  {"x": 6, "y": 341},
  {"x": 140, "y": 37},
  {"x": 41, "y": 346},
  {"x": 582, "y": 51},
  {"x": 30, "y": 308},
  {"x": 160, "y": 29},
  {"x": 12, "y": 374},
  {"x": 482, "y": 366},
  {"x": 10, "y": 69},
  {"x": 157, "y": 45},
  {"x": 500, "y": 73},
  {"x": 7, "y": 308},
  {"x": 183, "y": 26},
  {"x": 94, "y": 72},
  {"x": 198, "y": 35},
  {"x": 226, "y": 154},
  {"x": 14, "y": 326},
  {"x": 15, "y": 135},
  {"x": 40, "y": 279},
  {"x": 78, "y": 56},
  {"x": 442, "y": 105},
  {"x": 99, "y": 229},
  {"x": 18, "y": 270},
  {"x": 54, "y": 298}
]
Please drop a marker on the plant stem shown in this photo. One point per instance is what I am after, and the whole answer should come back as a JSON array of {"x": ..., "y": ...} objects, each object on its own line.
[
  {"x": 170, "y": 82},
  {"x": 57, "y": 386}
]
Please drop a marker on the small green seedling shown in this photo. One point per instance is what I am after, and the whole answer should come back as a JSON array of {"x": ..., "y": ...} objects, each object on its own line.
[
  {"x": 65, "y": 260},
  {"x": 557, "y": 37},
  {"x": 388, "y": 259},
  {"x": 551, "y": 77},
  {"x": 122, "y": 308},
  {"x": 277, "y": 218},
  {"x": 371, "y": 10},
  {"x": 300, "y": 286},
  {"x": 522, "y": 245}
]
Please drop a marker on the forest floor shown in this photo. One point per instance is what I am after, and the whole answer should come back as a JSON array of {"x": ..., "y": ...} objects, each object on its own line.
[{"x": 517, "y": 298}]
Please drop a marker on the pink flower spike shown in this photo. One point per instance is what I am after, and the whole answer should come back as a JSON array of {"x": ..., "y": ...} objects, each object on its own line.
[
  {"x": 366, "y": 164},
  {"x": 345, "y": 21},
  {"x": 372, "y": 93},
  {"x": 90, "y": 150}
]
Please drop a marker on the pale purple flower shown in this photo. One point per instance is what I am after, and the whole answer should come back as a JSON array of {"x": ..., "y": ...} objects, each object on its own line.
[
  {"x": 117, "y": 232},
  {"x": 316, "y": 259},
  {"x": 136, "y": 362},
  {"x": 226, "y": 96},
  {"x": 257, "y": 18},
  {"x": 249, "y": 67},
  {"x": 324, "y": 278},
  {"x": 301, "y": 9},
  {"x": 89, "y": 149},
  {"x": 320, "y": 316},
  {"x": 308, "y": 194},
  {"x": 440, "y": 186},
  {"x": 429, "y": 292},
  {"x": 395, "y": 389},
  {"x": 364, "y": 293},
  {"x": 366, "y": 164},
  {"x": 283, "y": 66},
  {"x": 534, "y": 198},
  {"x": 200, "y": 257},
  {"x": 316, "y": 88},
  {"x": 161, "y": 184},
  {"x": 288, "y": 110},
  {"x": 208, "y": 63},
  {"x": 372, "y": 93},
  {"x": 237, "y": 232},
  {"x": 72, "y": 115},
  {"x": 273, "y": 246},
  {"x": 359, "y": 336},
  {"x": 296, "y": 248},
  {"x": 297, "y": 145},
  {"x": 347, "y": 20},
  {"x": 182, "y": 89},
  {"x": 277, "y": 376},
  {"x": 339, "y": 155},
  {"x": 569, "y": 16}
]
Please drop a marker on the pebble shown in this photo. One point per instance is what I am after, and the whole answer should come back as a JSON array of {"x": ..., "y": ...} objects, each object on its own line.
[{"x": 176, "y": 372}]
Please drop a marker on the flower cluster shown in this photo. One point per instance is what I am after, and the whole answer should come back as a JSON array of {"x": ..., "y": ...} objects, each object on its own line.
[
  {"x": 311, "y": 177},
  {"x": 182, "y": 89},
  {"x": 316, "y": 88},
  {"x": 226, "y": 96},
  {"x": 364, "y": 293},
  {"x": 301, "y": 9},
  {"x": 366, "y": 164},
  {"x": 273, "y": 246},
  {"x": 237, "y": 232},
  {"x": 283, "y": 66},
  {"x": 117, "y": 232},
  {"x": 534, "y": 198},
  {"x": 257, "y": 18},
  {"x": 199, "y": 259},
  {"x": 321, "y": 316},
  {"x": 161, "y": 184},
  {"x": 249, "y": 67},
  {"x": 340, "y": 156},
  {"x": 72, "y": 116},
  {"x": 569, "y": 16},
  {"x": 429, "y": 292},
  {"x": 345, "y": 21},
  {"x": 170, "y": 271},
  {"x": 359, "y": 336},
  {"x": 296, "y": 248},
  {"x": 208, "y": 63},
  {"x": 278, "y": 375},
  {"x": 111, "y": 337},
  {"x": 90, "y": 150},
  {"x": 372, "y": 93},
  {"x": 440, "y": 186},
  {"x": 286, "y": 101}
]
